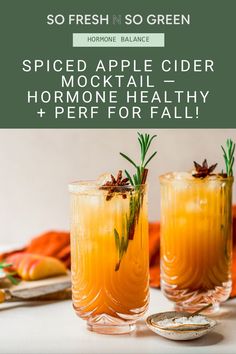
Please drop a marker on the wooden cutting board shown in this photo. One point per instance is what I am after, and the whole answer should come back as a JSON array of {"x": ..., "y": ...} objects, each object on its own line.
[{"x": 57, "y": 288}]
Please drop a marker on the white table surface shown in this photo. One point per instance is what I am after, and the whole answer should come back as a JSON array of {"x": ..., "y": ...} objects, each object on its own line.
[{"x": 54, "y": 328}]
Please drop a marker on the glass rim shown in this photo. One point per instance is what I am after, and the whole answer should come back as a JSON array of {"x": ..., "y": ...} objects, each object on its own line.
[
  {"x": 86, "y": 185},
  {"x": 191, "y": 179}
]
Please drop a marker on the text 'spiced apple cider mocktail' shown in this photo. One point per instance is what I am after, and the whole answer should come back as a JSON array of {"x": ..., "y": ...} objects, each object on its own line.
[
  {"x": 109, "y": 250},
  {"x": 196, "y": 237}
]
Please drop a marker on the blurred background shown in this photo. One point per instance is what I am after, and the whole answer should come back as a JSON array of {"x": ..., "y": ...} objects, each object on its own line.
[{"x": 37, "y": 165}]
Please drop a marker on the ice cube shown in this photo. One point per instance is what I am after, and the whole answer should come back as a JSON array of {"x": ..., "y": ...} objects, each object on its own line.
[
  {"x": 179, "y": 185},
  {"x": 215, "y": 184},
  {"x": 103, "y": 178},
  {"x": 181, "y": 180},
  {"x": 193, "y": 206},
  {"x": 197, "y": 205}
]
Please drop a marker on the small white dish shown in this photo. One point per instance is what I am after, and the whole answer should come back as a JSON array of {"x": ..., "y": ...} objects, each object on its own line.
[{"x": 177, "y": 333}]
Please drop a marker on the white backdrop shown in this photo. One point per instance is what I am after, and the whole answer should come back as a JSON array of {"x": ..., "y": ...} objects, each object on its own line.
[{"x": 37, "y": 165}]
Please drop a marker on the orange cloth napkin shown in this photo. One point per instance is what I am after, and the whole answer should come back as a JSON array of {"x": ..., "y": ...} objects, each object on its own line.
[
  {"x": 154, "y": 253},
  {"x": 53, "y": 243}
]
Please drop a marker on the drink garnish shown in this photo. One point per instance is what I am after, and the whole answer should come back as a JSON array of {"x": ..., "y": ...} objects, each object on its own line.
[
  {"x": 229, "y": 157},
  {"x": 140, "y": 176},
  {"x": 203, "y": 170},
  {"x": 115, "y": 185},
  {"x": 136, "y": 195}
]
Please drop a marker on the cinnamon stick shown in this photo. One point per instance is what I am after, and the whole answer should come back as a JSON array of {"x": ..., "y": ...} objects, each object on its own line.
[{"x": 135, "y": 220}]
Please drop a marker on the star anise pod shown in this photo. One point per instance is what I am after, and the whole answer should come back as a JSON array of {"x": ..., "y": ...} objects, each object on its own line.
[
  {"x": 203, "y": 170},
  {"x": 115, "y": 185}
]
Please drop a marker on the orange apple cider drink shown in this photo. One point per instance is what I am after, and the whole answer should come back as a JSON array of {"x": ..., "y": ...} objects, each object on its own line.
[
  {"x": 109, "y": 247},
  {"x": 196, "y": 239},
  {"x": 110, "y": 289}
]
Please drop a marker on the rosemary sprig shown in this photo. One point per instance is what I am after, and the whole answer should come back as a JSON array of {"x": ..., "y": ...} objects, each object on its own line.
[
  {"x": 9, "y": 275},
  {"x": 229, "y": 156},
  {"x": 121, "y": 245},
  {"x": 136, "y": 198},
  {"x": 138, "y": 179},
  {"x": 145, "y": 141}
]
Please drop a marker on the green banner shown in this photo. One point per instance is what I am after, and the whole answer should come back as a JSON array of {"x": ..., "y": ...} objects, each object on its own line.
[{"x": 87, "y": 64}]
